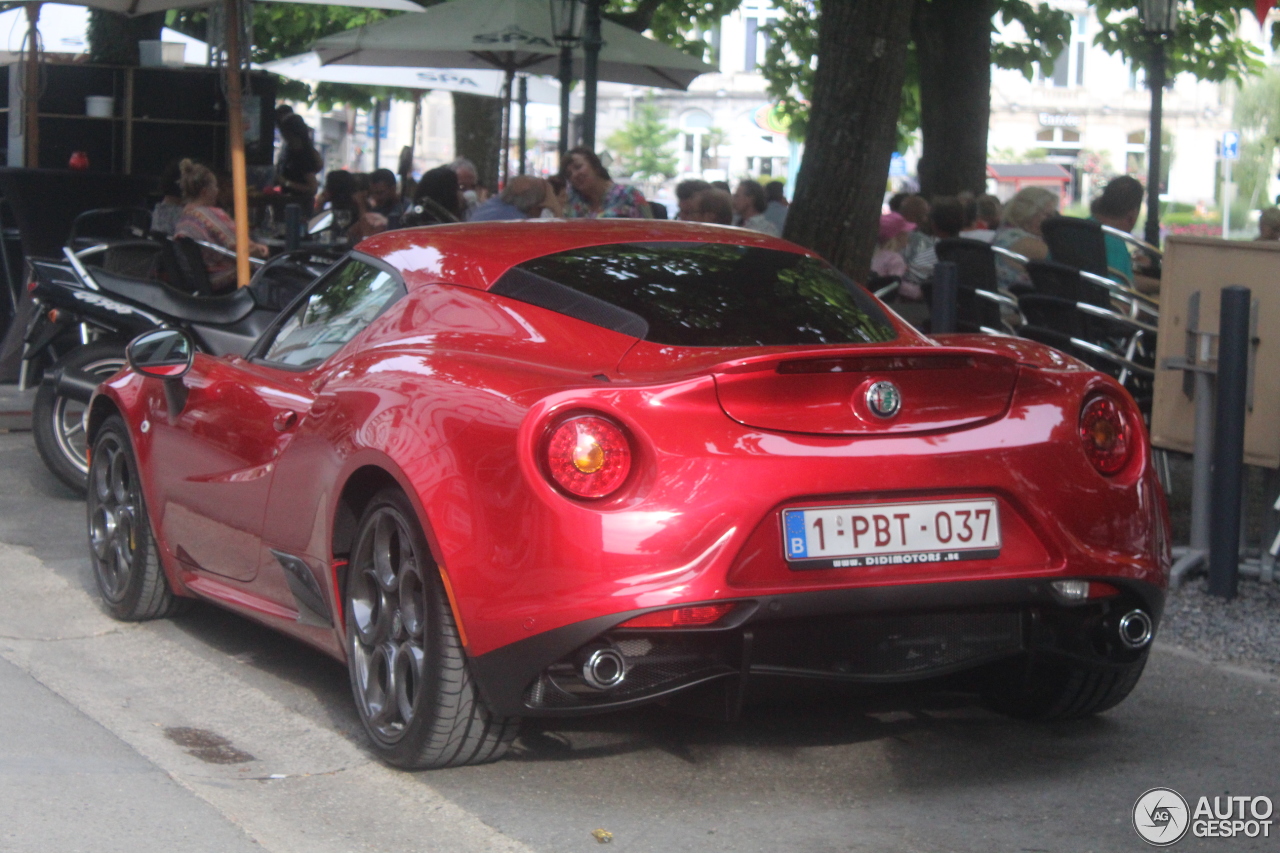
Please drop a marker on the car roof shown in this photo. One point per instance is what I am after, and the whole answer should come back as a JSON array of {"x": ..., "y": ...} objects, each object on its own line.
[{"x": 476, "y": 254}]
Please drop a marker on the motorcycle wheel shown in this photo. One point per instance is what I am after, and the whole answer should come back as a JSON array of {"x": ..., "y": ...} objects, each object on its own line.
[{"x": 58, "y": 423}]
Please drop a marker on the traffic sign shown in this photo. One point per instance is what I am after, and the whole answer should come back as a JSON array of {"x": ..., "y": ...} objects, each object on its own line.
[{"x": 1231, "y": 145}]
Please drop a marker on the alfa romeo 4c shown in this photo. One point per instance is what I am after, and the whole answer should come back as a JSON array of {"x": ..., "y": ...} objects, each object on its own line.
[{"x": 549, "y": 468}]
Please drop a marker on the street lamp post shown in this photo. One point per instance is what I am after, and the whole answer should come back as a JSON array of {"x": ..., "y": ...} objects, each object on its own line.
[
  {"x": 591, "y": 44},
  {"x": 566, "y": 24},
  {"x": 1159, "y": 22}
]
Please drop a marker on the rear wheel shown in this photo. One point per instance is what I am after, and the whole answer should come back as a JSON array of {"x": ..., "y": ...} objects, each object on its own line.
[
  {"x": 1046, "y": 688},
  {"x": 58, "y": 422},
  {"x": 122, "y": 549},
  {"x": 412, "y": 685}
]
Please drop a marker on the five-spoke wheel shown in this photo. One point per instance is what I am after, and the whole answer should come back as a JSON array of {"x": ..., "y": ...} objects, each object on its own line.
[
  {"x": 408, "y": 671},
  {"x": 125, "y": 563}
]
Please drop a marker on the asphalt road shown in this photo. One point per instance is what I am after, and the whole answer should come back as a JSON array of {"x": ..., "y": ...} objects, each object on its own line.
[{"x": 209, "y": 727}]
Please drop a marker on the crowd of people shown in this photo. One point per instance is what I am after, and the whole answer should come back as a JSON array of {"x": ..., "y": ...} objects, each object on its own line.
[
  {"x": 367, "y": 204},
  {"x": 913, "y": 225}
]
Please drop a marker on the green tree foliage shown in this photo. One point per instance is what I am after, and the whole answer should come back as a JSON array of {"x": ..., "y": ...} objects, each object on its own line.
[
  {"x": 642, "y": 145},
  {"x": 1205, "y": 43},
  {"x": 792, "y": 56},
  {"x": 683, "y": 24},
  {"x": 1257, "y": 114}
]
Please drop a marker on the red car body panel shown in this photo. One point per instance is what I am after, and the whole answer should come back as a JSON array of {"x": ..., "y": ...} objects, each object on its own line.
[{"x": 451, "y": 393}]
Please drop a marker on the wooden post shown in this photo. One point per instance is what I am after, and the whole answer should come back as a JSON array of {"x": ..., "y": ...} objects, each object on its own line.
[
  {"x": 235, "y": 130},
  {"x": 31, "y": 91}
]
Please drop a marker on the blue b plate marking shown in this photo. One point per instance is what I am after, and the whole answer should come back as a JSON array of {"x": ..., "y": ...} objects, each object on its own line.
[{"x": 797, "y": 547}]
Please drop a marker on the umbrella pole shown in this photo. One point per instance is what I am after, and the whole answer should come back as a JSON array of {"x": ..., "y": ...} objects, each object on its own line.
[
  {"x": 31, "y": 90},
  {"x": 524, "y": 104},
  {"x": 235, "y": 130},
  {"x": 505, "y": 147},
  {"x": 413, "y": 138}
]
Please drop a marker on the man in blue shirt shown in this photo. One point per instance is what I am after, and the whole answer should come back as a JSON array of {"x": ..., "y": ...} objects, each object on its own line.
[
  {"x": 1118, "y": 206},
  {"x": 523, "y": 197}
]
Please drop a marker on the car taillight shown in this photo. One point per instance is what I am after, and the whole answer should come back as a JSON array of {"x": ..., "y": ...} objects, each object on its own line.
[
  {"x": 1106, "y": 435},
  {"x": 589, "y": 456},
  {"x": 680, "y": 617}
]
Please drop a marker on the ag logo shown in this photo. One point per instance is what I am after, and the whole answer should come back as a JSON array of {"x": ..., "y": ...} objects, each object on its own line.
[
  {"x": 884, "y": 399},
  {"x": 1161, "y": 817}
]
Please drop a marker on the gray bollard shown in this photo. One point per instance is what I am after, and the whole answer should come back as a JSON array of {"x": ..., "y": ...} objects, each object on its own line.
[
  {"x": 946, "y": 287},
  {"x": 1228, "y": 451},
  {"x": 292, "y": 226}
]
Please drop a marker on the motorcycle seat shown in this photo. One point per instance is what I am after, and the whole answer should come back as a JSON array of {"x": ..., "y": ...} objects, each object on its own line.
[{"x": 220, "y": 310}]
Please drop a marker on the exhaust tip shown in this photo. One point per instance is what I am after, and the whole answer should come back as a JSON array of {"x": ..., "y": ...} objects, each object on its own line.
[
  {"x": 604, "y": 668},
  {"x": 1135, "y": 629}
]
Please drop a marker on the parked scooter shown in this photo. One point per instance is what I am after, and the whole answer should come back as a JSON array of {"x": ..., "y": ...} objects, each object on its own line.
[{"x": 84, "y": 316}]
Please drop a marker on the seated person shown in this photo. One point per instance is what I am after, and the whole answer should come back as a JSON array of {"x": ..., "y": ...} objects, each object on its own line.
[
  {"x": 712, "y": 205},
  {"x": 524, "y": 197},
  {"x": 169, "y": 209},
  {"x": 1020, "y": 232},
  {"x": 352, "y": 221},
  {"x": 384, "y": 198},
  {"x": 437, "y": 199},
  {"x": 1118, "y": 207},
  {"x": 203, "y": 220}
]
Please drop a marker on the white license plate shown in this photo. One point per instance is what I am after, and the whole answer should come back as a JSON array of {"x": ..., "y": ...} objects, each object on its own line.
[{"x": 891, "y": 534}]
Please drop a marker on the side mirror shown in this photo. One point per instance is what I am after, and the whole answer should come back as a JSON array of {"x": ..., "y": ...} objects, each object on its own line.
[
  {"x": 322, "y": 221},
  {"x": 164, "y": 353}
]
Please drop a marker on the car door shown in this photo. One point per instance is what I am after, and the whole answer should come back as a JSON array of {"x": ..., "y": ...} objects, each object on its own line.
[
  {"x": 217, "y": 454},
  {"x": 220, "y": 450},
  {"x": 295, "y": 364}
]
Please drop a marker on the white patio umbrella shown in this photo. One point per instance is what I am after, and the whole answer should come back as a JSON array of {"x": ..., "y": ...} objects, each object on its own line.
[
  {"x": 510, "y": 35},
  {"x": 235, "y": 117},
  {"x": 476, "y": 81}
]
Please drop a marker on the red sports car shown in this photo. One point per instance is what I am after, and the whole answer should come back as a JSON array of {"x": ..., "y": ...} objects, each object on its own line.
[{"x": 551, "y": 468}]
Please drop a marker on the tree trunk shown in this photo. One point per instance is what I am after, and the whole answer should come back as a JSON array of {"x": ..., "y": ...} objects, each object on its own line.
[
  {"x": 113, "y": 38},
  {"x": 477, "y": 124},
  {"x": 953, "y": 50},
  {"x": 857, "y": 92}
]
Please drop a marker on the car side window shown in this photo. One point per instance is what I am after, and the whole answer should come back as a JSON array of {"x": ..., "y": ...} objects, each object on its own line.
[{"x": 351, "y": 297}]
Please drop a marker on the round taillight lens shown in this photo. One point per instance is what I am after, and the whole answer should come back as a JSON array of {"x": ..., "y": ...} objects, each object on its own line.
[
  {"x": 589, "y": 456},
  {"x": 1106, "y": 435}
]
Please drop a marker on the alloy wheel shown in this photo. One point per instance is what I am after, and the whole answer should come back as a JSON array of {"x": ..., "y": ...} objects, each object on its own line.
[
  {"x": 115, "y": 507},
  {"x": 387, "y": 625}
]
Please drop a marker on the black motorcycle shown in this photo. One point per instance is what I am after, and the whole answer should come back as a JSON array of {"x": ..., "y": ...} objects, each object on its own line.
[{"x": 85, "y": 313}]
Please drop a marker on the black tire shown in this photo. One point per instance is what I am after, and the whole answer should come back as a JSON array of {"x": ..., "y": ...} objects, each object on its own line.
[
  {"x": 412, "y": 685},
  {"x": 1045, "y": 688},
  {"x": 122, "y": 548},
  {"x": 58, "y": 422}
]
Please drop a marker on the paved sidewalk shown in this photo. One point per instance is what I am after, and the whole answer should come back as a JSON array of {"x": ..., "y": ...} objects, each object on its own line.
[{"x": 67, "y": 784}]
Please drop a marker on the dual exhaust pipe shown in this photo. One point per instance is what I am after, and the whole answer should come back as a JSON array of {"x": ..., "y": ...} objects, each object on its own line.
[
  {"x": 1135, "y": 629},
  {"x": 604, "y": 667}
]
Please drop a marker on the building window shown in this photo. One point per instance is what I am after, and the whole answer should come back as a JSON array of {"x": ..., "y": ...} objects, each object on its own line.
[
  {"x": 1068, "y": 65},
  {"x": 757, "y": 43}
]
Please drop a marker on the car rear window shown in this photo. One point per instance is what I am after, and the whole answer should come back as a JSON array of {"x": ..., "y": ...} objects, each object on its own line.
[{"x": 701, "y": 294}]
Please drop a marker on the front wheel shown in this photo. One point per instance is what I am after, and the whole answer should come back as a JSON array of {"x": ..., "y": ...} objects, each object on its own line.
[
  {"x": 58, "y": 422},
  {"x": 412, "y": 685},
  {"x": 122, "y": 548}
]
